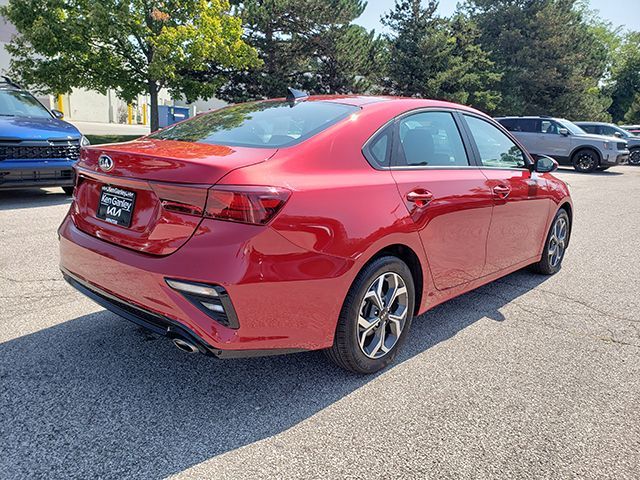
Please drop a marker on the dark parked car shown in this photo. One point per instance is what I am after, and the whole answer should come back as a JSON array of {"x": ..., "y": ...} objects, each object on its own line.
[
  {"x": 37, "y": 148},
  {"x": 309, "y": 223},
  {"x": 567, "y": 142},
  {"x": 611, "y": 130}
]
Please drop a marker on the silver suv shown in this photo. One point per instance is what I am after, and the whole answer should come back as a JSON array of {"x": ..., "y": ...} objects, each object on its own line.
[
  {"x": 611, "y": 130},
  {"x": 567, "y": 143}
]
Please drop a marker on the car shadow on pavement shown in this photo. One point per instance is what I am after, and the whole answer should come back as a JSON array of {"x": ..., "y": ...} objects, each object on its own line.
[
  {"x": 99, "y": 397},
  {"x": 36, "y": 197}
]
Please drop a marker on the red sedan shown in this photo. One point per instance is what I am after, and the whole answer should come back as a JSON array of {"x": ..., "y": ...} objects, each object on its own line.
[{"x": 309, "y": 223}]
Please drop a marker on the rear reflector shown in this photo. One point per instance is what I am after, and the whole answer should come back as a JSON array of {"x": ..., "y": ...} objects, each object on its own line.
[{"x": 254, "y": 205}]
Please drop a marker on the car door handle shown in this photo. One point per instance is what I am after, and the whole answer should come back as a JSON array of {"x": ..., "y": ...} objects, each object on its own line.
[
  {"x": 502, "y": 191},
  {"x": 420, "y": 197}
]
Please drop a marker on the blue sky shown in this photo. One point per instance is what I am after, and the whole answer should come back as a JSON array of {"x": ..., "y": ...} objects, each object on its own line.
[{"x": 625, "y": 12}]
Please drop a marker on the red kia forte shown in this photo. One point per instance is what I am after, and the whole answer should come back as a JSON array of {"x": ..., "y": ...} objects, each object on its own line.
[{"x": 309, "y": 223}]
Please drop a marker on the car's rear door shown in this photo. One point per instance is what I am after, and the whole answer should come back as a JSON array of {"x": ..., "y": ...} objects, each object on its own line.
[
  {"x": 521, "y": 202},
  {"x": 448, "y": 197}
]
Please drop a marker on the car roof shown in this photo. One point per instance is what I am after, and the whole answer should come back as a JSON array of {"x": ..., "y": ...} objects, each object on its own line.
[
  {"x": 596, "y": 123},
  {"x": 374, "y": 102},
  {"x": 528, "y": 117}
]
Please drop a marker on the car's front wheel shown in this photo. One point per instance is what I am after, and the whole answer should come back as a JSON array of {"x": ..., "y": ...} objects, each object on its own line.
[
  {"x": 555, "y": 245},
  {"x": 375, "y": 317},
  {"x": 585, "y": 161},
  {"x": 634, "y": 157}
]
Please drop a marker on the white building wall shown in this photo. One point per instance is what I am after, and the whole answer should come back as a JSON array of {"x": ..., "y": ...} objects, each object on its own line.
[{"x": 90, "y": 106}]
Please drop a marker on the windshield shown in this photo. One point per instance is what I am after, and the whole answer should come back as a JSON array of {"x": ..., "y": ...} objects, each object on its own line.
[
  {"x": 572, "y": 127},
  {"x": 271, "y": 124},
  {"x": 622, "y": 131},
  {"x": 14, "y": 103}
]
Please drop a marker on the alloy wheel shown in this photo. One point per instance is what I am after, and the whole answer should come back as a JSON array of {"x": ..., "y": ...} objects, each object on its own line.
[
  {"x": 558, "y": 241},
  {"x": 586, "y": 161},
  {"x": 634, "y": 158},
  {"x": 383, "y": 314}
]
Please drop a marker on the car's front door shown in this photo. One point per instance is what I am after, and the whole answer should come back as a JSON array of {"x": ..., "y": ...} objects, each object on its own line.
[
  {"x": 554, "y": 143},
  {"x": 521, "y": 202},
  {"x": 448, "y": 199}
]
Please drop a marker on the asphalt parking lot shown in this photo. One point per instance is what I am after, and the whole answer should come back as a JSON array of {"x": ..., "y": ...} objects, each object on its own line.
[{"x": 528, "y": 377}]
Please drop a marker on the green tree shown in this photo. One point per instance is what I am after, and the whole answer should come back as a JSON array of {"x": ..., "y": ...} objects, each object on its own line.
[
  {"x": 437, "y": 57},
  {"x": 624, "y": 84},
  {"x": 133, "y": 47},
  {"x": 306, "y": 44},
  {"x": 551, "y": 56}
]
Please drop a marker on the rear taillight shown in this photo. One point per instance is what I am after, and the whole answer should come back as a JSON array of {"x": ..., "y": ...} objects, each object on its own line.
[
  {"x": 180, "y": 198},
  {"x": 254, "y": 205}
]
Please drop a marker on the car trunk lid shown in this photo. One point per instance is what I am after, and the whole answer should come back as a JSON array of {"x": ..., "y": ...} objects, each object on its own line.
[{"x": 164, "y": 184}]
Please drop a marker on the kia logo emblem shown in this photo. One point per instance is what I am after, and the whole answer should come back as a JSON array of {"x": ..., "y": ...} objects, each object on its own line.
[{"x": 105, "y": 163}]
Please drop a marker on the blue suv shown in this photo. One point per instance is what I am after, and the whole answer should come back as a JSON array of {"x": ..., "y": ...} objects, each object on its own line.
[{"x": 37, "y": 148}]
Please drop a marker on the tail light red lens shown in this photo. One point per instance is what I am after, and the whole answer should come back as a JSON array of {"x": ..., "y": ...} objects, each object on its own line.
[
  {"x": 254, "y": 205},
  {"x": 180, "y": 198}
]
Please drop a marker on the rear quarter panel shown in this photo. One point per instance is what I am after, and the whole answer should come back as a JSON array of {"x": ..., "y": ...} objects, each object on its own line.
[{"x": 340, "y": 206}]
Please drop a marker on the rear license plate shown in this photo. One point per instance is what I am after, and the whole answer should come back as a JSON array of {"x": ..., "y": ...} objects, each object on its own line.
[{"x": 116, "y": 205}]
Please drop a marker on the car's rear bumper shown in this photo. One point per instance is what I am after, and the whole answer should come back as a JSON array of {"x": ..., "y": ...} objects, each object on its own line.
[
  {"x": 16, "y": 174},
  {"x": 285, "y": 298}
]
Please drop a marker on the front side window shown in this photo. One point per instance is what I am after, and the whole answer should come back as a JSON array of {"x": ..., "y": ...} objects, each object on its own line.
[
  {"x": 496, "y": 149},
  {"x": 14, "y": 103},
  {"x": 549, "y": 126},
  {"x": 271, "y": 124},
  {"x": 430, "y": 139}
]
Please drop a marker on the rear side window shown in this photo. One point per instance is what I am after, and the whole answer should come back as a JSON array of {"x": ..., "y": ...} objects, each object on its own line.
[
  {"x": 519, "y": 124},
  {"x": 430, "y": 139},
  {"x": 378, "y": 150},
  {"x": 262, "y": 124},
  {"x": 496, "y": 149}
]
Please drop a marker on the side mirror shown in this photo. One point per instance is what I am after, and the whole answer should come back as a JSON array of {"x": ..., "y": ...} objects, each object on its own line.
[
  {"x": 563, "y": 131},
  {"x": 58, "y": 114},
  {"x": 545, "y": 164}
]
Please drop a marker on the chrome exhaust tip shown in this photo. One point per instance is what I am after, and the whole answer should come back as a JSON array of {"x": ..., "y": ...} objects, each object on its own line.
[{"x": 185, "y": 346}]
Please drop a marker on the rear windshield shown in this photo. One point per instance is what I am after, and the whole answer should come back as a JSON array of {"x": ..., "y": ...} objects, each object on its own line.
[
  {"x": 14, "y": 103},
  {"x": 263, "y": 124}
]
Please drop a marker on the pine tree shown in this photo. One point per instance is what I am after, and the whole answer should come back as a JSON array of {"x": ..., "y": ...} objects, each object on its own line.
[
  {"x": 551, "y": 60},
  {"x": 307, "y": 44},
  {"x": 436, "y": 57}
]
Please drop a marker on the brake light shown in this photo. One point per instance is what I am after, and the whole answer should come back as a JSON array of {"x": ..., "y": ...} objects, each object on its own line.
[
  {"x": 254, "y": 205},
  {"x": 181, "y": 199}
]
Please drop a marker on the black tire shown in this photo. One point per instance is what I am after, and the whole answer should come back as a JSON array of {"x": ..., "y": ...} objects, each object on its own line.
[
  {"x": 68, "y": 190},
  {"x": 634, "y": 157},
  {"x": 546, "y": 265},
  {"x": 346, "y": 351},
  {"x": 585, "y": 160}
]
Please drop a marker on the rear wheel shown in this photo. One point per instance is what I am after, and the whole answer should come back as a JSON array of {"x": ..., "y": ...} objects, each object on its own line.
[
  {"x": 555, "y": 246},
  {"x": 375, "y": 317},
  {"x": 68, "y": 190},
  {"x": 634, "y": 157},
  {"x": 585, "y": 161}
]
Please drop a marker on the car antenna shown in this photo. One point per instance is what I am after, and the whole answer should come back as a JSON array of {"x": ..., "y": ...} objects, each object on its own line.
[{"x": 294, "y": 96}]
